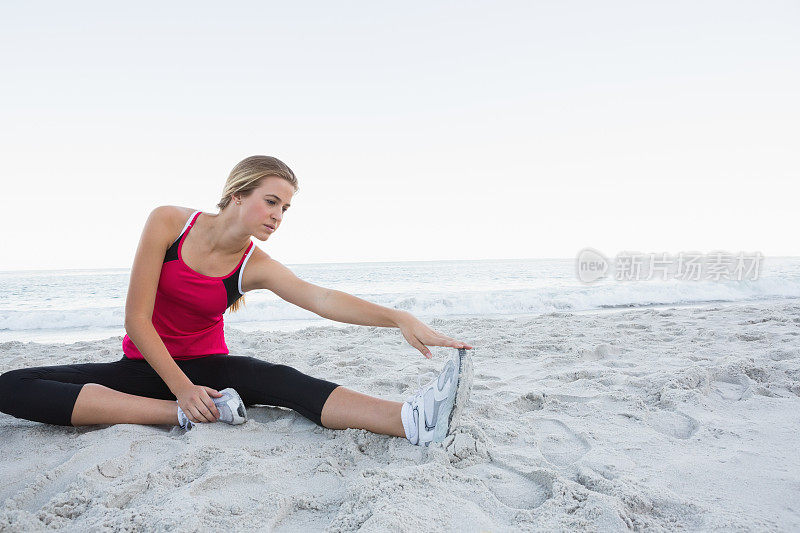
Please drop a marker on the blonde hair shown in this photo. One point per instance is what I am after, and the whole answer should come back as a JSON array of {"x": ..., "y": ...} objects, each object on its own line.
[{"x": 247, "y": 176}]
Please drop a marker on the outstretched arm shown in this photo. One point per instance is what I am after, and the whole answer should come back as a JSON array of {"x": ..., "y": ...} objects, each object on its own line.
[
  {"x": 336, "y": 305},
  {"x": 343, "y": 307}
]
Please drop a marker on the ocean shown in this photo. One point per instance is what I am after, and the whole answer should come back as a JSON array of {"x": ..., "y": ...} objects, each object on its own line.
[{"x": 64, "y": 306}]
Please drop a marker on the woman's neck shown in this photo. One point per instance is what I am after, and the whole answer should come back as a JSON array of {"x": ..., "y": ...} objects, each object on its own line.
[{"x": 219, "y": 235}]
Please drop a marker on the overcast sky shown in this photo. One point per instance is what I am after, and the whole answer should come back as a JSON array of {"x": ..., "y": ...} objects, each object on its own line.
[{"x": 418, "y": 131}]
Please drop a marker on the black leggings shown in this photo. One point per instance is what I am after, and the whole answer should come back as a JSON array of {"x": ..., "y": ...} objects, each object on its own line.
[{"x": 48, "y": 393}]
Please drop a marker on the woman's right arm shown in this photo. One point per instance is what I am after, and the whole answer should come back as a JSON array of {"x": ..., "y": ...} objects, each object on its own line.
[{"x": 156, "y": 238}]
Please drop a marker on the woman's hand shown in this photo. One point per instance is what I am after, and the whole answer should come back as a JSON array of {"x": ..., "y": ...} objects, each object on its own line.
[
  {"x": 420, "y": 336},
  {"x": 196, "y": 402}
]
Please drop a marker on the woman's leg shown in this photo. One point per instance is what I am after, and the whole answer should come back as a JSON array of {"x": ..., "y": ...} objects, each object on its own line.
[
  {"x": 346, "y": 408},
  {"x": 98, "y": 404},
  {"x": 130, "y": 391},
  {"x": 123, "y": 391},
  {"x": 341, "y": 409},
  {"x": 323, "y": 402}
]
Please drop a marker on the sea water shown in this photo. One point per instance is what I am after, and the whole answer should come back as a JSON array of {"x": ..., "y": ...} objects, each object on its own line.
[{"x": 73, "y": 305}]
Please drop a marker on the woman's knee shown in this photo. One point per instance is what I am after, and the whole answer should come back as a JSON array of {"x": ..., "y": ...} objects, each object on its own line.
[
  {"x": 10, "y": 384},
  {"x": 15, "y": 378},
  {"x": 259, "y": 369},
  {"x": 281, "y": 377}
]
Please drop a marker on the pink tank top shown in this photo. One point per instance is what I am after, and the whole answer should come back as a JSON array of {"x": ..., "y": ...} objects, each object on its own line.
[{"x": 188, "y": 309}]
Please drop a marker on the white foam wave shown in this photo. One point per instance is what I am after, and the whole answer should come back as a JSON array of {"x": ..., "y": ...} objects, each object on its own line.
[{"x": 265, "y": 307}]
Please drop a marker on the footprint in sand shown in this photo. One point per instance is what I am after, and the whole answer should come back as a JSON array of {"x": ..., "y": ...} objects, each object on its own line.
[
  {"x": 311, "y": 506},
  {"x": 233, "y": 482},
  {"x": 57, "y": 477},
  {"x": 301, "y": 513},
  {"x": 673, "y": 424},
  {"x": 115, "y": 467},
  {"x": 514, "y": 488},
  {"x": 731, "y": 389},
  {"x": 531, "y": 401},
  {"x": 120, "y": 496},
  {"x": 557, "y": 442}
]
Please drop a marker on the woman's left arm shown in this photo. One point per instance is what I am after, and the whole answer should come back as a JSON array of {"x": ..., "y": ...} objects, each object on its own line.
[
  {"x": 266, "y": 273},
  {"x": 343, "y": 307}
]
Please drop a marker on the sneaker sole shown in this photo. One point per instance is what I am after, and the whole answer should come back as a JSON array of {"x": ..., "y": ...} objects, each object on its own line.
[{"x": 455, "y": 407}]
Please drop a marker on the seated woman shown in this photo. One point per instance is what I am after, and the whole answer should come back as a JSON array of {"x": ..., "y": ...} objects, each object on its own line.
[{"x": 175, "y": 350}]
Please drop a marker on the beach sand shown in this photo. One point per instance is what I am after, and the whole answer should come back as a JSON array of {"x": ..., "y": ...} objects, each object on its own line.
[{"x": 644, "y": 419}]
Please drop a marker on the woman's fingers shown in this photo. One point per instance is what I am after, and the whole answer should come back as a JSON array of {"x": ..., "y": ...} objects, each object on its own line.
[
  {"x": 202, "y": 412},
  {"x": 427, "y": 353},
  {"x": 207, "y": 408},
  {"x": 194, "y": 415},
  {"x": 457, "y": 344},
  {"x": 420, "y": 336},
  {"x": 213, "y": 392},
  {"x": 444, "y": 340},
  {"x": 212, "y": 407},
  {"x": 208, "y": 412},
  {"x": 421, "y": 347}
]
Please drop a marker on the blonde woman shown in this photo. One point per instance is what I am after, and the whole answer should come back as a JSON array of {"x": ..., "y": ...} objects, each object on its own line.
[{"x": 189, "y": 268}]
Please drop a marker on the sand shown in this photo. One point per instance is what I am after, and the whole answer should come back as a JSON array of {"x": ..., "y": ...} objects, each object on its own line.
[{"x": 647, "y": 419}]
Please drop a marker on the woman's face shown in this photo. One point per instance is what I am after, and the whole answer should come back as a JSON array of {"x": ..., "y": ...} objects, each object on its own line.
[{"x": 264, "y": 208}]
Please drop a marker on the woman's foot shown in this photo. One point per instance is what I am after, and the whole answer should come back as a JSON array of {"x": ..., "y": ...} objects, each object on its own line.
[
  {"x": 428, "y": 415},
  {"x": 231, "y": 410}
]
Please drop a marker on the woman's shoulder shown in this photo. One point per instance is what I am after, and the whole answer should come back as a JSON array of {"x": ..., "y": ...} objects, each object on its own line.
[
  {"x": 257, "y": 268},
  {"x": 258, "y": 256},
  {"x": 167, "y": 221},
  {"x": 173, "y": 215}
]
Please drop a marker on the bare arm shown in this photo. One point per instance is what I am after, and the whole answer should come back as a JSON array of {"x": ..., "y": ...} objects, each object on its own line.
[
  {"x": 145, "y": 274},
  {"x": 342, "y": 307},
  {"x": 149, "y": 343}
]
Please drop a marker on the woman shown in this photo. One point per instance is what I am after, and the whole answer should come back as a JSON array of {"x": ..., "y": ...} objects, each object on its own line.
[{"x": 175, "y": 351}]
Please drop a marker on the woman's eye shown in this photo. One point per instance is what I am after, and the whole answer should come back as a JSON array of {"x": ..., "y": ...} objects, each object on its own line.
[{"x": 272, "y": 202}]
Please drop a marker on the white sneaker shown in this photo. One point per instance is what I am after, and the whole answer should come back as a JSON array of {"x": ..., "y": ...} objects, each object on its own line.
[
  {"x": 183, "y": 420},
  {"x": 231, "y": 410},
  {"x": 427, "y": 416},
  {"x": 231, "y": 407}
]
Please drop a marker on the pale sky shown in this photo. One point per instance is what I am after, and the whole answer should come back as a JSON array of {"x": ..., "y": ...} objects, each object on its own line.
[{"x": 418, "y": 131}]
